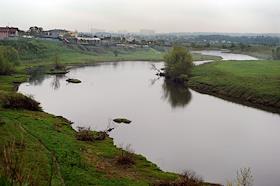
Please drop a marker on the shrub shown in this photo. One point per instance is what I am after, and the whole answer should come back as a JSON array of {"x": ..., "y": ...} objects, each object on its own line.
[
  {"x": 100, "y": 136},
  {"x": 126, "y": 158},
  {"x": 84, "y": 134},
  {"x": 244, "y": 177},
  {"x": 188, "y": 178},
  {"x": 6, "y": 68},
  {"x": 19, "y": 101},
  {"x": 178, "y": 62},
  {"x": 8, "y": 59},
  {"x": 10, "y": 53}
]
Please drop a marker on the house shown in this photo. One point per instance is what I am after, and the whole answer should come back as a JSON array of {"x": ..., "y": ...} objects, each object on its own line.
[
  {"x": 35, "y": 30},
  {"x": 6, "y": 32},
  {"x": 55, "y": 33},
  {"x": 88, "y": 40}
]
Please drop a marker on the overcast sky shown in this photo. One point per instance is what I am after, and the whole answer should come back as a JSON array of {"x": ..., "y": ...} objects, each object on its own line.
[{"x": 253, "y": 16}]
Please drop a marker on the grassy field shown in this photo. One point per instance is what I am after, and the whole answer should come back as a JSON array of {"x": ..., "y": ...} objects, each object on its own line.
[
  {"x": 255, "y": 82},
  {"x": 258, "y": 51}
]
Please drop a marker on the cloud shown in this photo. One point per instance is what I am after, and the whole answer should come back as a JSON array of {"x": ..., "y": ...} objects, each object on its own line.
[{"x": 160, "y": 15}]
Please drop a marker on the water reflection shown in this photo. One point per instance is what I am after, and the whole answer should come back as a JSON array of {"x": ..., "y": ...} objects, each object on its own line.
[
  {"x": 177, "y": 95},
  {"x": 55, "y": 83},
  {"x": 37, "y": 75}
]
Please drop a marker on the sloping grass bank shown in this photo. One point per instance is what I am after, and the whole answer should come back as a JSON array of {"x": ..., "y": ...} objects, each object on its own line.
[
  {"x": 252, "y": 83},
  {"x": 43, "y": 52},
  {"x": 47, "y": 153}
]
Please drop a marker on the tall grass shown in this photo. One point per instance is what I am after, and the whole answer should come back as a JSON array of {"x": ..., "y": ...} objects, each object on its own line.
[{"x": 13, "y": 168}]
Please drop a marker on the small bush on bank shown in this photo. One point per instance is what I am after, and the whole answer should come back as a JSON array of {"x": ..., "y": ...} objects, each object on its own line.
[
  {"x": 84, "y": 134},
  {"x": 100, "y": 136},
  {"x": 19, "y": 101},
  {"x": 188, "y": 178},
  {"x": 126, "y": 158}
]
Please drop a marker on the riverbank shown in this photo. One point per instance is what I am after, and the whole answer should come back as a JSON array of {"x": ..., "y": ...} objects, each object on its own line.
[
  {"x": 252, "y": 83},
  {"x": 47, "y": 150},
  {"x": 44, "y": 150}
]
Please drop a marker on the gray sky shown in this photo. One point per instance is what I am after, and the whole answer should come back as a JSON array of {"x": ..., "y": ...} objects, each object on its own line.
[{"x": 161, "y": 15}]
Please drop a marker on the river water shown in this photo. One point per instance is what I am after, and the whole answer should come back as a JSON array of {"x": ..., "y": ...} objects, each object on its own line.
[{"x": 175, "y": 128}]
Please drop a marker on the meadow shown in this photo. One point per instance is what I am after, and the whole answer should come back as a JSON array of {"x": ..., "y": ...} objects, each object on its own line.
[{"x": 255, "y": 82}]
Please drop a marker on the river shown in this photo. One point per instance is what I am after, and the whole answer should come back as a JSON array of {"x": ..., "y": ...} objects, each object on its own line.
[{"x": 175, "y": 128}]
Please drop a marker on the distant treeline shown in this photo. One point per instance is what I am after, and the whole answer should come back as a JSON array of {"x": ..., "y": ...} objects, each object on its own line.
[{"x": 263, "y": 40}]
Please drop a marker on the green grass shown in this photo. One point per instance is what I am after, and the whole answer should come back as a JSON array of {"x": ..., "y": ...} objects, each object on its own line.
[
  {"x": 258, "y": 51},
  {"x": 54, "y": 155},
  {"x": 257, "y": 81},
  {"x": 35, "y": 52}
]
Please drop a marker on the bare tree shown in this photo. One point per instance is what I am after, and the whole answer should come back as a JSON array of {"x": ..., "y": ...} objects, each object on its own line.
[{"x": 244, "y": 177}]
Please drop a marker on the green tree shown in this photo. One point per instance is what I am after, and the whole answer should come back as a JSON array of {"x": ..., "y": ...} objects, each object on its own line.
[
  {"x": 178, "y": 62},
  {"x": 276, "y": 53}
]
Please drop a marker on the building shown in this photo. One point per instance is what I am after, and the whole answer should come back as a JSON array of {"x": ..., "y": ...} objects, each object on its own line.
[
  {"x": 6, "y": 32},
  {"x": 55, "y": 33},
  {"x": 35, "y": 30},
  {"x": 88, "y": 41}
]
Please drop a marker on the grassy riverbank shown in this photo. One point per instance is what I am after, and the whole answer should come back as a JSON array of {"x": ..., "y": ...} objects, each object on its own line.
[
  {"x": 46, "y": 149},
  {"x": 37, "y": 148},
  {"x": 42, "y": 52},
  {"x": 253, "y": 83}
]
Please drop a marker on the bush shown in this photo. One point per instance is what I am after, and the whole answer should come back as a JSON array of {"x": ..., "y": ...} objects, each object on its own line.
[
  {"x": 27, "y": 49},
  {"x": 100, "y": 136},
  {"x": 84, "y": 134},
  {"x": 11, "y": 54},
  {"x": 6, "y": 68},
  {"x": 188, "y": 178},
  {"x": 126, "y": 158},
  {"x": 244, "y": 177},
  {"x": 8, "y": 59},
  {"x": 19, "y": 101},
  {"x": 178, "y": 62}
]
